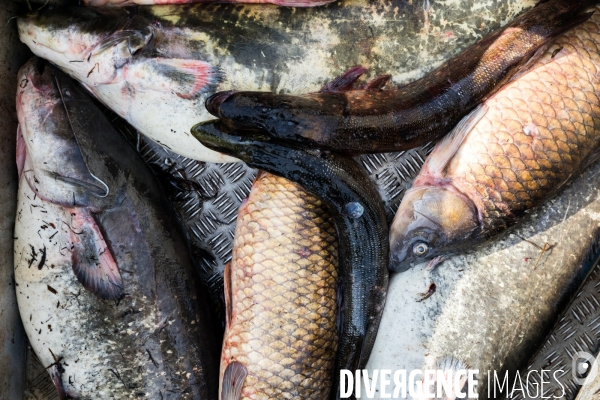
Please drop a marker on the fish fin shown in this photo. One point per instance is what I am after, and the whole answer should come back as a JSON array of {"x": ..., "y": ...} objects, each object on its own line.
[
  {"x": 228, "y": 299},
  {"x": 233, "y": 381},
  {"x": 21, "y": 151},
  {"x": 132, "y": 41},
  {"x": 445, "y": 149},
  {"x": 345, "y": 81},
  {"x": 93, "y": 262},
  {"x": 186, "y": 78},
  {"x": 377, "y": 83},
  {"x": 592, "y": 159},
  {"x": 56, "y": 377}
]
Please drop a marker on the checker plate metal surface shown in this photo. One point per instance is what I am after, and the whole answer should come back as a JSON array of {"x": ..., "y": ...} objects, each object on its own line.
[{"x": 578, "y": 329}]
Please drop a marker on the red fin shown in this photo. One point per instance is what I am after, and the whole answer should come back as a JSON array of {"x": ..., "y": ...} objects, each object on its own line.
[
  {"x": 56, "y": 377},
  {"x": 233, "y": 381},
  {"x": 377, "y": 83},
  {"x": 187, "y": 78},
  {"x": 227, "y": 289},
  {"x": 345, "y": 81},
  {"x": 93, "y": 263}
]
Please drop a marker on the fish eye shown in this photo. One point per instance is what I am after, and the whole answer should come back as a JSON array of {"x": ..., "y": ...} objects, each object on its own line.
[{"x": 420, "y": 249}]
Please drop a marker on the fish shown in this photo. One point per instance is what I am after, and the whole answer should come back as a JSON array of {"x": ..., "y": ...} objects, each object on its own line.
[
  {"x": 353, "y": 119},
  {"x": 13, "y": 341},
  {"x": 125, "y": 3},
  {"x": 508, "y": 156},
  {"x": 494, "y": 307},
  {"x": 281, "y": 335},
  {"x": 359, "y": 218},
  {"x": 156, "y": 65},
  {"x": 106, "y": 286}
]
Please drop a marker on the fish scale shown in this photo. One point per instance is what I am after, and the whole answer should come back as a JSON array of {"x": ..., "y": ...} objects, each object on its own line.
[
  {"x": 537, "y": 131},
  {"x": 283, "y": 293}
]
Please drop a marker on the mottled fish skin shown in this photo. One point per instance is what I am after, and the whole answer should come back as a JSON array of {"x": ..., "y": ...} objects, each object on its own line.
[
  {"x": 369, "y": 119},
  {"x": 514, "y": 152},
  {"x": 359, "y": 218},
  {"x": 142, "y": 77},
  {"x": 158, "y": 340},
  {"x": 282, "y": 294},
  {"x": 125, "y": 3}
]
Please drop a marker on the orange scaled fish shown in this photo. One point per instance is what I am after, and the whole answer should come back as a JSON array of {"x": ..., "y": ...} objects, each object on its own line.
[
  {"x": 508, "y": 156},
  {"x": 280, "y": 289}
]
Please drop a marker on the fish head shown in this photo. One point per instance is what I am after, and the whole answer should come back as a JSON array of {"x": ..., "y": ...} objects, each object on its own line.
[
  {"x": 48, "y": 155},
  {"x": 219, "y": 137},
  {"x": 431, "y": 221},
  {"x": 299, "y": 118},
  {"x": 89, "y": 44}
]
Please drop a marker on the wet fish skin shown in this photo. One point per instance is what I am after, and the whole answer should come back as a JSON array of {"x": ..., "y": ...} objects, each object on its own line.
[
  {"x": 264, "y": 48},
  {"x": 159, "y": 338},
  {"x": 359, "y": 218},
  {"x": 281, "y": 294},
  {"x": 125, "y": 3},
  {"x": 370, "y": 119},
  {"x": 517, "y": 150}
]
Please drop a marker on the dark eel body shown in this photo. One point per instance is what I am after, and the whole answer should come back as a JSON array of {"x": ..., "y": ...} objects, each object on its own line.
[
  {"x": 373, "y": 120},
  {"x": 359, "y": 218}
]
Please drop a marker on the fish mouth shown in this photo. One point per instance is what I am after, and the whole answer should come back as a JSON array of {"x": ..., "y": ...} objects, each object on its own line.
[
  {"x": 400, "y": 264},
  {"x": 213, "y": 103}
]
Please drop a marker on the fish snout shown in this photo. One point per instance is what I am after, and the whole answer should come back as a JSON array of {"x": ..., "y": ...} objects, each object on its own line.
[
  {"x": 399, "y": 261},
  {"x": 214, "y": 102}
]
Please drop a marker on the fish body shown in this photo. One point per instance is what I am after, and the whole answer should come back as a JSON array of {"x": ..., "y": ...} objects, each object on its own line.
[
  {"x": 92, "y": 224},
  {"x": 155, "y": 66},
  {"x": 281, "y": 295},
  {"x": 359, "y": 218},
  {"x": 494, "y": 307},
  {"x": 371, "y": 119},
  {"x": 124, "y": 3},
  {"x": 508, "y": 156}
]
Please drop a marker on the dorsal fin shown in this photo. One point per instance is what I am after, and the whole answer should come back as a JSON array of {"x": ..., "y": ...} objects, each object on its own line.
[
  {"x": 345, "y": 81},
  {"x": 233, "y": 381}
]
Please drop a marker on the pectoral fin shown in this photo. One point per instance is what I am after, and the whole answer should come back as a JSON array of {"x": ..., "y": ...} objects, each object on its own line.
[
  {"x": 186, "y": 78},
  {"x": 233, "y": 381},
  {"x": 446, "y": 148},
  {"x": 93, "y": 262}
]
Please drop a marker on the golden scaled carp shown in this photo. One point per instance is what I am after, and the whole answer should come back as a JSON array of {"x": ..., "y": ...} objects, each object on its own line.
[
  {"x": 508, "y": 156},
  {"x": 280, "y": 291}
]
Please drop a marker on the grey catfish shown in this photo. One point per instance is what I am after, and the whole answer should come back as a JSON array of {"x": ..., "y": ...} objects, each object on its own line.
[
  {"x": 155, "y": 66},
  {"x": 89, "y": 204}
]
